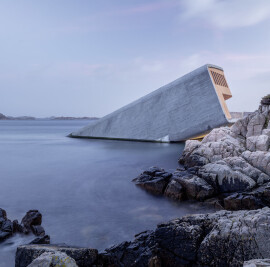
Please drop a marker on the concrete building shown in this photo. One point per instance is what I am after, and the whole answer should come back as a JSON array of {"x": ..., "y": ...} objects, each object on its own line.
[{"x": 187, "y": 107}]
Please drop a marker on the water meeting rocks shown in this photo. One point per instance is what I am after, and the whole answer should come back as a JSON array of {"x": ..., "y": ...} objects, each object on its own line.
[
  {"x": 153, "y": 180},
  {"x": 224, "y": 238},
  {"x": 231, "y": 164},
  {"x": 31, "y": 223}
]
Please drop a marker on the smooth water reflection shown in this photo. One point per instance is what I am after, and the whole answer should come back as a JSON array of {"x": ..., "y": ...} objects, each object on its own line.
[{"x": 82, "y": 187}]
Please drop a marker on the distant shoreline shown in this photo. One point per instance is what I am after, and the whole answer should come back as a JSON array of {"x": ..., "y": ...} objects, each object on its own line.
[{"x": 4, "y": 117}]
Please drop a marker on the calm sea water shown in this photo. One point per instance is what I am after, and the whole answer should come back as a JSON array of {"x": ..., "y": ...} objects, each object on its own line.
[{"x": 82, "y": 187}]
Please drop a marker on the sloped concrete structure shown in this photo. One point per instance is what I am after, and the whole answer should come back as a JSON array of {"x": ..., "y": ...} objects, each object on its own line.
[{"x": 187, "y": 107}]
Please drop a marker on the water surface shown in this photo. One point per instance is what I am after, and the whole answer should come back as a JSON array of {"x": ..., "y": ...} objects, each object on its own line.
[{"x": 82, "y": 187}]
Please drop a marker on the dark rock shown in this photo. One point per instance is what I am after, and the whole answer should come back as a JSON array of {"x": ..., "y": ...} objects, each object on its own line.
[
  {"x": 17, "y": 227},
  {"x": 38, "y": 230},
  {"x": 255, "y": 199},
  {"x": 3, "y": 214},
  {"x": 7, "y": 226},
  {"x": 3, "y": 117},
  {"x": 192, "y": 160},
  {"x": 30, "y": 222},
  {"x": 214, "y": 202},
  {"x": 4, "y": 235},
  {"x": 220, "y": 239},
  {"x": 84, "y": 257},
  {"x": 242, "y": 202},
  {"x": 194, "y": 186},
  {"x": 45, "y": 239},
  {"x": 154, "y": 180},
  {"x": 266, "y": 100},
  {"x": 174, "y": 190},
  {"x": 32, "y": 217},
  {"x": 152, "y": 170}
]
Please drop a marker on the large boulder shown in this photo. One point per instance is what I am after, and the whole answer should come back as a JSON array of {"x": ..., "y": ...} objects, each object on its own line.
[
  {"x": 31, "y": 220},
  {"x": 53, "y": 259},
  {"x": 84, "y": 257},
  {"x": 220, "y": 239}
]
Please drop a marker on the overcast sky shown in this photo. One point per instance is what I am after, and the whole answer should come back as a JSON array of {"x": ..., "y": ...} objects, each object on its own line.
[{"x": 88, "y": 58}]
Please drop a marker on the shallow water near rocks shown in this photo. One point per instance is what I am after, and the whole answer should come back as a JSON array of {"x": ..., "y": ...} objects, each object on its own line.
[{"x": 82, "y": 187}]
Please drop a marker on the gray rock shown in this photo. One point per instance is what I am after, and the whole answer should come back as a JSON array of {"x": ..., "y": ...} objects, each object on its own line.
[
  {"x": 53, "y": 259},
  {"x": 258, "y": 143},
  {"x": 259, "y": 160},
  {"x": 257, "y": 263},
  {"x": 266, "y": 132},
  {"x": 241, "y": 165},
  {"x": 219, "y": 144},
  {"x": 236, "y": 237},
  {"x": 240, "y": 127},
  {"x": 256, "y": 125},
  {"x": 224, "y": 179},
  {"x": 84, "y": 257}
]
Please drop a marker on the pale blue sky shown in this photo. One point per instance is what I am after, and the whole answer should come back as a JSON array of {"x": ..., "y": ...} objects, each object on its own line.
[{"x": 88, "y": 58}]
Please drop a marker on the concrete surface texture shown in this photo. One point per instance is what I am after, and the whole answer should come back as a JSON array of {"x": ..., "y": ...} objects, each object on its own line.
[{"x": 184, "y": 108}]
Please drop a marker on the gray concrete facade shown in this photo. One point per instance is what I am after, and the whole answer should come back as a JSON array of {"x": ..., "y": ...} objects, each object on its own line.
[{"x": 184, "y": 108}]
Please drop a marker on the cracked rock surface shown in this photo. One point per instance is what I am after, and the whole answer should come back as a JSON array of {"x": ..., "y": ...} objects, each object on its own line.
[{"x": 224, "y": 238}]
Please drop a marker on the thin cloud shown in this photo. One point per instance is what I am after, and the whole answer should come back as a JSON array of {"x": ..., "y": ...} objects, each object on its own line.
[{"x": 227, "y": 14}]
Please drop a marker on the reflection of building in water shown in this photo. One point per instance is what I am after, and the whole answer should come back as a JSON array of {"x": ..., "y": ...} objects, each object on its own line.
[{"x": 184, "y": 108}]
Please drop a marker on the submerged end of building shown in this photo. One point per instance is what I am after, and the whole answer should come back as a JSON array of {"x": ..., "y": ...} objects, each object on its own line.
[{"x": 185, "y": 108}]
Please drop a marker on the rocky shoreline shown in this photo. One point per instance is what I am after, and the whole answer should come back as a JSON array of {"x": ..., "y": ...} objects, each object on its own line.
[
  {"x": 224, "y": 238},
  {"x": 30, "y": 224},
  {"x": 230, "y": 169}
]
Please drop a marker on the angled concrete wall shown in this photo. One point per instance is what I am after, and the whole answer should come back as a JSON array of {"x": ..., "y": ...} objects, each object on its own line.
[{"x": 184, "y": 108}]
